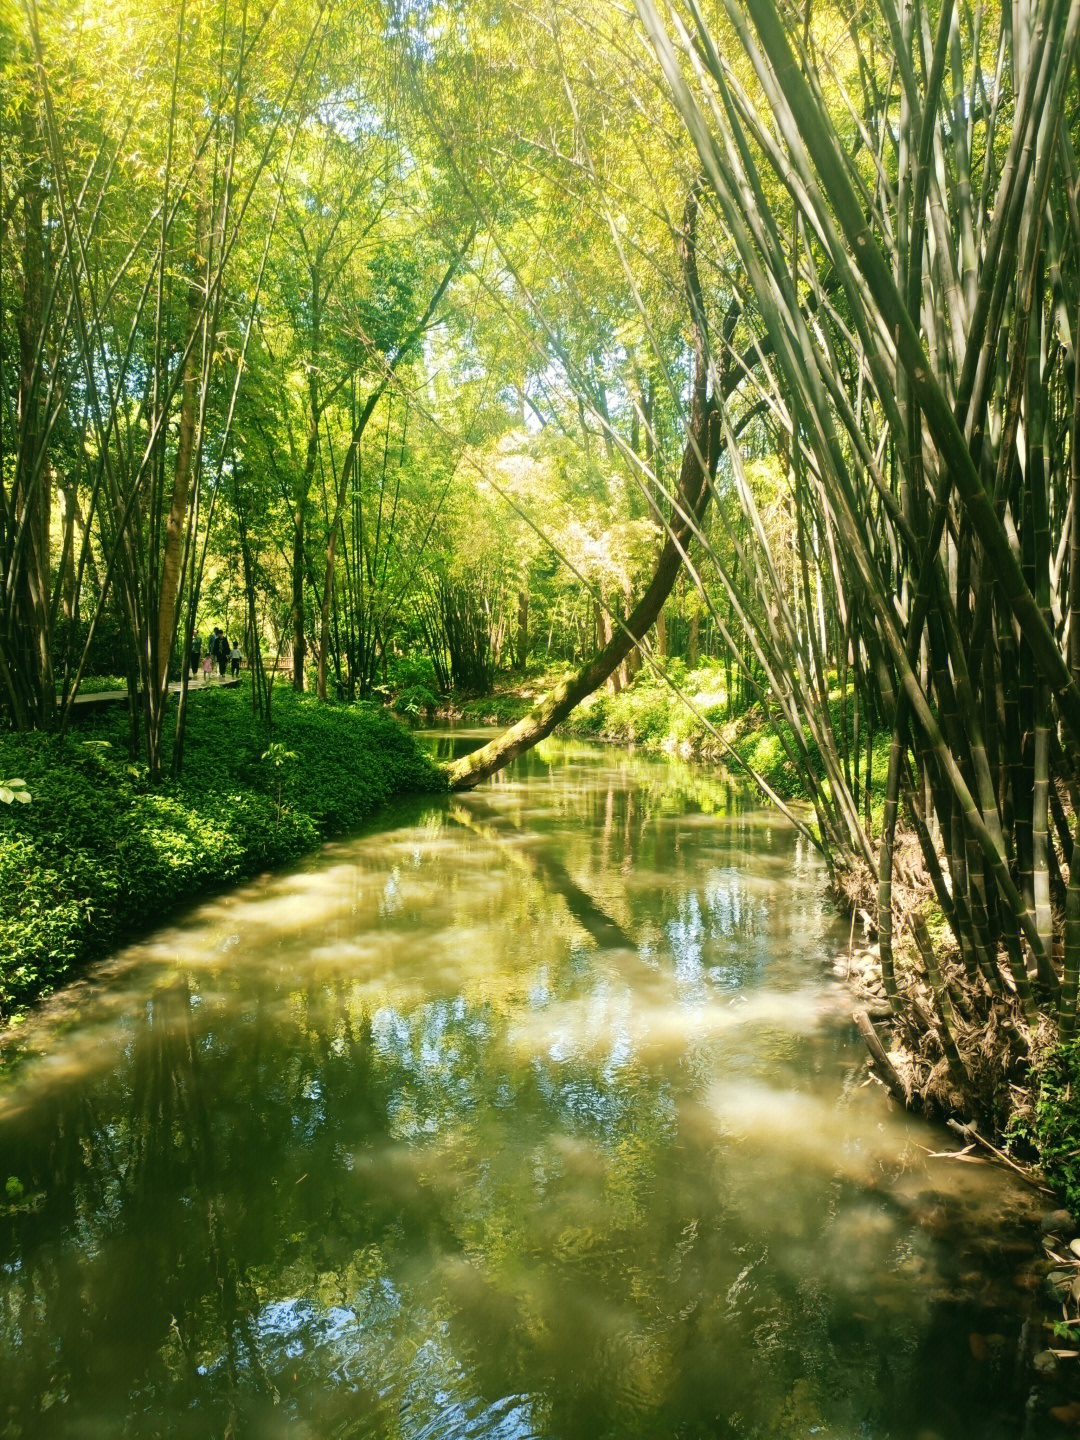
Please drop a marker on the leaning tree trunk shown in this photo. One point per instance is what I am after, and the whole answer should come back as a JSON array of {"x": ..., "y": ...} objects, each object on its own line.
[
  {"x": 559, "y": 702},
  {"x": 702, "y": 445}
]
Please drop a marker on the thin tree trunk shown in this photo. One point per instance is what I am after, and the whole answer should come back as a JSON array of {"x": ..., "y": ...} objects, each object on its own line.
[
  {"x": 176, "y": 524},
  {"x": 522, "y": 652}
]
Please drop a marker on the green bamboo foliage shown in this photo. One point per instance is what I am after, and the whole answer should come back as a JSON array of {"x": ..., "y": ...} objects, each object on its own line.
[
  {"x": 132, "y": 315},
  {"x": 901, "y": 206}
]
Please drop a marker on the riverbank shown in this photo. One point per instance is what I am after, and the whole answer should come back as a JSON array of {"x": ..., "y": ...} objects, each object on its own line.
[
  {"x": 649, "y": 713},
  {"x": 99, "y": 854}
]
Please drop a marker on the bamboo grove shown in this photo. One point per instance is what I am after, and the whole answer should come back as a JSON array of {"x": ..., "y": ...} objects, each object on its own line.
[
  {"x": 214, "y": 275},
  {"x": 901, "y": 195},
  {"x": 884, "y": 209}
]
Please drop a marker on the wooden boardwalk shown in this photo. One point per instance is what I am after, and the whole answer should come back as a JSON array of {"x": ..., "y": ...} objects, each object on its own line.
[{"x": 99, "y": 699}]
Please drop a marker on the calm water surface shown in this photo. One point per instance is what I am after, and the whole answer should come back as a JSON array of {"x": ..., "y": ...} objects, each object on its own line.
[{"x": 531, "y": 1112}]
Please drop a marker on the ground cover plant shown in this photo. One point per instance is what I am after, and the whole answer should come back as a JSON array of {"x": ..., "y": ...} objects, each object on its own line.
[{"x": 100, "y": 852}]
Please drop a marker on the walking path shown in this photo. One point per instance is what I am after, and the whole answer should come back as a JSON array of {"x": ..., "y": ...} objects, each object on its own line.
[{"x": 98, "y": 699}]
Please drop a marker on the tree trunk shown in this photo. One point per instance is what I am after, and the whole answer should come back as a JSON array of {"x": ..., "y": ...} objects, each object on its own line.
[
  {"x": 299, "y": 643},
  {"x": 324, "y": 614},
  {"x": 522, "y": 656},
  {"x": 32, "y": 649},
  {"x": 704, "y": 442},
  {"x": 603, "y": 637},
  {"x": 185, "y": 451},
  {"x": 559, "y": 702},
  {"x": 67, "y": 552}
]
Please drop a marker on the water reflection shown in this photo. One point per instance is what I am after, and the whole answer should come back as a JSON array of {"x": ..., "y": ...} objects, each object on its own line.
[{"x": 526, "y": 1114}]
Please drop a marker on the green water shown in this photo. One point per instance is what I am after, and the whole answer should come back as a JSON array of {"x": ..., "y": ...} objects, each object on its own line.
[{"x": 529, "y": 1112}]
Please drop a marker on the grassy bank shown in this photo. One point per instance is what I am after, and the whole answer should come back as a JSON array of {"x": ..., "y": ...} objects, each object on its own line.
[
  {"x": 649, "y": 713},
  {"x": 99, "y": 852}
]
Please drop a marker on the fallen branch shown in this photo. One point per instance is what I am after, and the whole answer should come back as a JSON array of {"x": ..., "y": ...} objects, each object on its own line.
[{"x": 884, "y": 1066}]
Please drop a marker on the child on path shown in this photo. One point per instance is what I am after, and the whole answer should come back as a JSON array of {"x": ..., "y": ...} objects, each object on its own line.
[
  {"x": 235, "y": 657},
  {"x": 207, "y": 666}
]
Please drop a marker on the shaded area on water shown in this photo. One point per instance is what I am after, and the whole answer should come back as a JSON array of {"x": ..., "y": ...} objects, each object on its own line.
[{"x": 529, "y": 1113}]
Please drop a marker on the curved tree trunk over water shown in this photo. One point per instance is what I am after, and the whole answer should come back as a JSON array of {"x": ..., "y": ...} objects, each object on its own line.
[
  {"x": 559, "y": 702},
  {"x": 703, "y": 442}
]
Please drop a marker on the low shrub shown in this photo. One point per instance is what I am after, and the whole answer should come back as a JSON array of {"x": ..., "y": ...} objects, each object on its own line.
[
  {"x": 1057, "y": 1120},
  {"x": 404, "y": 671},
  {"x": 98, "y": 850},
  {"x": 417, "y": 701},
  {"x": 505, "y": 708}
]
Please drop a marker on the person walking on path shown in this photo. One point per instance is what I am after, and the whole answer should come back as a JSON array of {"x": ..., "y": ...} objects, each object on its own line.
[
  {"x": 222, "y": 653},
  {"x": 235, "y": 657},
  {"x": 208, "y": 663},
  {"x": 196, "y": 654}
]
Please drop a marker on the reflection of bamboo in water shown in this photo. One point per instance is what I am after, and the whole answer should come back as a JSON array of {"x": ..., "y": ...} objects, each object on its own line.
[
  {"x": 606, "y": 832},
  {"x": 553, "y": 875},
  {"x": 167, "y": 1105},
  {"x": 127, "y": 1149}
]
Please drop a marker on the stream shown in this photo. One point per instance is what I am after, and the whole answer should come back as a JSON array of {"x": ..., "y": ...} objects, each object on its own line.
[{"x": 529, "y": 1112}]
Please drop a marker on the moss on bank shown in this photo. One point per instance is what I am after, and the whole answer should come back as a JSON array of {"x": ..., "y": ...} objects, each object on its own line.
[{"x": 100, "y": 853}]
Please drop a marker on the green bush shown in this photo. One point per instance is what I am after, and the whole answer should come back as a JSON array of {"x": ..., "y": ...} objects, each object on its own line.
[
  {"x": 407, "y": 670},
  {"x": 416, "y": 700},
  {"x": 97, "y": 684},
  {"x": 643, "y": 714},
  {"x": 98, "y": 850},
  {"x": 1057, "y": 1120}
]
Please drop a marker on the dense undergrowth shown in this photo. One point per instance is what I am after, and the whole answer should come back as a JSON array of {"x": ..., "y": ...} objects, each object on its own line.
[
  {"x": 99, "y": 853},
  {"x": 1056, "y": 1129},
  {"x": 650, "y": 713}
]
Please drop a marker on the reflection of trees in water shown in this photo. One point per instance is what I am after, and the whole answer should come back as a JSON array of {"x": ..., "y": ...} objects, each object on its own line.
[
  {"x": 313, "y": 1211},
  {"x": 718, "y": 884},
  {"x": 233, "y": 1205},
  {"x": 284, "y": 1203}
]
